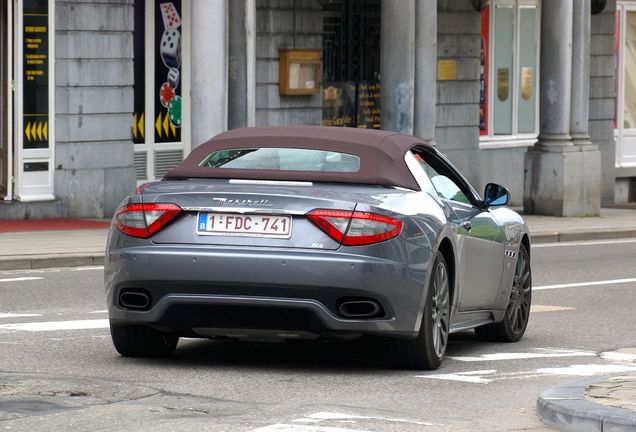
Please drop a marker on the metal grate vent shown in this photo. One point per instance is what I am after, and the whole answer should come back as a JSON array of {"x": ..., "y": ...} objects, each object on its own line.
[
  {"x": 141, "y": 165},
  {"x": 166, "y": 160}
]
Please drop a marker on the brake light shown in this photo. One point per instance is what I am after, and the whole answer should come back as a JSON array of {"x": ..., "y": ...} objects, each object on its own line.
[
  {"x": 354, "y": 228},
  {"x": 144, "y": 220}
]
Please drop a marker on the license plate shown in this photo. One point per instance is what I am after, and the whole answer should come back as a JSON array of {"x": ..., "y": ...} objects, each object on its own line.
[{"x": 250, "y": 225}]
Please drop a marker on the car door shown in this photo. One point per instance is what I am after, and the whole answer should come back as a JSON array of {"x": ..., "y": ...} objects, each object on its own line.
[{"x": 480, "y": 238}]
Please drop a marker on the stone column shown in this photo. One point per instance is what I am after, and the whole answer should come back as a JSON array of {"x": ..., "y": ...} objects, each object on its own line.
[
  {"x": 590, "y": 186},
  {"x": 580, "y": 114},
  {"x": 397, "y": 65},
  {"x": 242, "y": 61},
  {"x": 556, "y": 171},
  {"x": 209, "y": 69},
  {"x": 425, "y": 69}
]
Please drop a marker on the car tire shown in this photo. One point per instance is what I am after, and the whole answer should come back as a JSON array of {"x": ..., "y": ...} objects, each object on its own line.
[
  {"x": 517, "y": 315},
  {"x": 141, "y": 341},
  {"x": 427, "y": 350}
]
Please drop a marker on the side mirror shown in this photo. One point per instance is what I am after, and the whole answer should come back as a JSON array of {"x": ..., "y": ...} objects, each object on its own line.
[{"x": 496, "y": 195}]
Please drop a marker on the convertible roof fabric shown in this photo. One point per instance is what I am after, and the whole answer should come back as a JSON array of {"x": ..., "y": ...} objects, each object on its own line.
[{"x": 381, "y": 154}]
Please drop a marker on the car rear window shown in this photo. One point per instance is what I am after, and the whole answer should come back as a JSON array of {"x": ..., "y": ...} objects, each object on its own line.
[{"x": 282, "y": 159}]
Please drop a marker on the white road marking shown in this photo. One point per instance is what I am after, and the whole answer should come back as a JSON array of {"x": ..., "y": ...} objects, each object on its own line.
[
  {"x": 14, "y": 315},
  {"x": 584, "y": 284},
  {"x": 99, "y": 311},
  {"x": 619, "y": 356},
  {"x": 588, "y": 369},
  {"x": 583, "y": 243},
  {"x": 313, "y": 419},
  {"x": 281, "y": 427},
  {"x": 51, "y": 270},
  {"x": 88, "y": 268},
  {"x": 547, "y": 308},
  {"x": 476, "y": 377},
  {"x": 20, "y": 279},
  {"x": 540, "y": 353},
  {"x": 57, "y": 325},
  {"x": 340, "y": 416}
]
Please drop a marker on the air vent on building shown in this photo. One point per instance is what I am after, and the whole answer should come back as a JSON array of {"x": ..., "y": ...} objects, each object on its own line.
[
  {"x": 165, "y": 160},
  {"x": 141, "y": 165}
]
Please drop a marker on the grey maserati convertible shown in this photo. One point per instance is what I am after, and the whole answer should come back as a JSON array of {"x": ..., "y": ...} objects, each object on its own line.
[{"x": 313, "y": 232}]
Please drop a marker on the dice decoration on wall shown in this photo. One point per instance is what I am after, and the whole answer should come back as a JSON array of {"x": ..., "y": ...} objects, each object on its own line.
[{"x": 170, "y": 52}]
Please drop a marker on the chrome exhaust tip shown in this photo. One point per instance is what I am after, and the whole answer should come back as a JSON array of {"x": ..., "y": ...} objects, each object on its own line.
[
  {"x": 136, "y": 299},
  {"x": 360, "y": 309}
]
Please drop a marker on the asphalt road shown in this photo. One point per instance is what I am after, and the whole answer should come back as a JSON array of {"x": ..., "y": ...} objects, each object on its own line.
[{"x": 59, "y": 371}]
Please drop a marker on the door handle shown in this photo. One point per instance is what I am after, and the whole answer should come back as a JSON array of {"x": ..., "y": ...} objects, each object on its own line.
[{"x": 467, "y": 225}]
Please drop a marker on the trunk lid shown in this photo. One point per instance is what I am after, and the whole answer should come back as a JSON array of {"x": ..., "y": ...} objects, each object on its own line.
[{"x": 239, "y": 199}]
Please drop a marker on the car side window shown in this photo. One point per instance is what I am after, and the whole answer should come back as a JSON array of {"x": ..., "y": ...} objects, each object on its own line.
[{"x": 445, "y": 187}]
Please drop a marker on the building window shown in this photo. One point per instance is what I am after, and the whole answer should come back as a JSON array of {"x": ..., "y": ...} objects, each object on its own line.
[{"x": 509, "y": 73}]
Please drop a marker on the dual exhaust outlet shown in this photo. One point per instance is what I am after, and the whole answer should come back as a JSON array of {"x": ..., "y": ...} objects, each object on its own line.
[{"x": 349, "y": 308}]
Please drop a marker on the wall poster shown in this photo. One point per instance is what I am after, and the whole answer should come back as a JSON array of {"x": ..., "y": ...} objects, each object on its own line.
[
  {"x": 483, "y": 74},
  {"x": 351, "y": 104},
  {"x": 168, "y": 40},
  {"x": 35, "y": 79}
]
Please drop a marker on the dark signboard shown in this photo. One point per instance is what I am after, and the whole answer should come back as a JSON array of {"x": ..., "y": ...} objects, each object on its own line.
[
  {"x": 351, "y": 104},
  {"x": 139, "y": 73},
  {"x": 35, "y": 79},
  {"x": 168, "y": 42}
]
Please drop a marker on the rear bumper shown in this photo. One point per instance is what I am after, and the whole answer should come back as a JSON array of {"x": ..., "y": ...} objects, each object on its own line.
[{"x": 290, "y": 290}]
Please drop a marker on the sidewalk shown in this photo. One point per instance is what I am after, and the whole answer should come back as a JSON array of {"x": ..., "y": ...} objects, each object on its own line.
[
  {"x": 75, "y": 242},
  {"x": 52, "y": 243}
]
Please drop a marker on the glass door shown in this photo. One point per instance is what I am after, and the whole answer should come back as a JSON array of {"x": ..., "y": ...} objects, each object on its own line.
[
  {"x": 34, "y": 118},
  {"x": 626, "y": 104}
]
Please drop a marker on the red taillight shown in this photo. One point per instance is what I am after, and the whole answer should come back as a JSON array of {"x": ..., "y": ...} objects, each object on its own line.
[
  {"x": 355, "y": 228},
  {"x": 144, "y": 220}
]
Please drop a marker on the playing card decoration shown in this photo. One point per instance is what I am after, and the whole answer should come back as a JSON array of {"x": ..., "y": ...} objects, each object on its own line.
[
  {"x": 168, "y": 71},
  {"x": 171, "y": 18}
]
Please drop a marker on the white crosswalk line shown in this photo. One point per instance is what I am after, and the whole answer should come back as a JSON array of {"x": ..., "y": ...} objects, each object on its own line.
[
  {"x": 539, "y": 353},
  {"x": 18, "y": 315},
  {"x": 584, "y": 284},
  {"x": 583, "y": 243},
  {"x": 20, "y": 279},
  {"x": 477, "y": 377},
  {"x": 57, "y": 325}
]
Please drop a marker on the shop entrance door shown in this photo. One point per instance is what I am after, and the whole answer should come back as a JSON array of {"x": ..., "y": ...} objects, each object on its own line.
[
  {"x": 351, "y": 63},
  {"x": 5, "y": 98},
  {"x": 626, "y": 103}
]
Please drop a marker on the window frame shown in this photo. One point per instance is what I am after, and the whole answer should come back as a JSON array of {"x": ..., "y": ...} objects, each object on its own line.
[
  {"x": 489, "y": 140},
  {"x": 445, "y": 168}
]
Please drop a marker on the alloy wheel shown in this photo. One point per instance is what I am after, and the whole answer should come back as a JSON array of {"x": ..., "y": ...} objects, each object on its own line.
[
  {"x": 518, "y": 310},
  {"x": 440, "y": 309}
]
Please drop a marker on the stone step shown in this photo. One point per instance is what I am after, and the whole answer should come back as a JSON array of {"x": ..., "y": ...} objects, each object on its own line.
[{"x": 30, "y": 210}]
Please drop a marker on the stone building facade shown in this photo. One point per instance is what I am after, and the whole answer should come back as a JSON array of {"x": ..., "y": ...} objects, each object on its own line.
[{"x": 519, "y": 92}]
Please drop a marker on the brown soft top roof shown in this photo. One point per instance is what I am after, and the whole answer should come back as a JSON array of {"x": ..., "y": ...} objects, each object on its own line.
[{"x": 381, "y": 154}]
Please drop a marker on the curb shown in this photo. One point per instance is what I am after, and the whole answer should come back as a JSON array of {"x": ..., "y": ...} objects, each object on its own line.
[
  {"x": 565, "y": 408},
  {"x": 558, "y": 237},
  {"x": 51, "y": 261}
]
